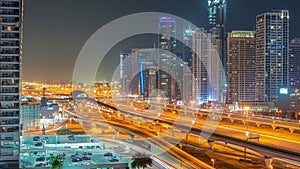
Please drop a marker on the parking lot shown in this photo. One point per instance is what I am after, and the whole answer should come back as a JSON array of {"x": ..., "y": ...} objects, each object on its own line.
[{"x": 78, "y": 150}]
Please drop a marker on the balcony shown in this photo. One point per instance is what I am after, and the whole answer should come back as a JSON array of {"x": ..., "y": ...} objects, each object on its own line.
[
  {"x": 10, "y": 19},
  {"x": 14, "y": 114},
  {"x": 14, "y": 4},
  {"x": 9, "y": 90},
  {"x": 10, "y": 35},
  {"x": 9, "y": 98},
  {"x": 9, "y": 59},
  {"x": 9, "y": 129},
  {"x": 10, "y": 107},
  {"x": 14, "y": 12},
  {"x": 7, "y": 138}
]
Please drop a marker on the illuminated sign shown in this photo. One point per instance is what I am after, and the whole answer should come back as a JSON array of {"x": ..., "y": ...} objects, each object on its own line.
[{"x": 283, "y": 91}]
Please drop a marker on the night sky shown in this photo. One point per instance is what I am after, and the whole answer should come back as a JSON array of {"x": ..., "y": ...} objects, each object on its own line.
[{"x": 56, "y": 30}]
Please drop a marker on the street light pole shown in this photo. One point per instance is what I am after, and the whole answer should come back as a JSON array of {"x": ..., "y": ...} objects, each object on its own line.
[{"x": 213, "y": 162}]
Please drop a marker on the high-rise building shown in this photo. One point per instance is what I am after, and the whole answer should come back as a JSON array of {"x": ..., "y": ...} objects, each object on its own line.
[
  {"x": 11, "y": 55},
  {"x": 217, "y": 10},
  {"x": 294, "y": 62},
  {"x": 148, "y": 75},
  {"x": 187, "y": 46},
  {"x": 241, "y": 66},
  {"x": 125, "y": 71},
  {"x": 136, "y": 66},
  {"x": 187, "y": 84},
  {"x": 206, "y": 69},
  {"x": 167, "y": 58},
  {"x": 272, "y": 44}
]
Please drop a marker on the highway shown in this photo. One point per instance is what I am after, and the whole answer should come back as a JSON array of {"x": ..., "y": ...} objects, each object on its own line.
[
  {"x": 266, "y": 150},
  {"x": 151, "y": 136}
]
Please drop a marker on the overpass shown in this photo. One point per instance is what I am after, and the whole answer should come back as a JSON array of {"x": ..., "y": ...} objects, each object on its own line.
[
  {"x": 266, "y": 150},
  {"x": 245, "y": 118}
]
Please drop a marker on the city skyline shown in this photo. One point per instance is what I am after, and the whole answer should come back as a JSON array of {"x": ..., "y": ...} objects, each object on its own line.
[{"x": 55, "y": 57}]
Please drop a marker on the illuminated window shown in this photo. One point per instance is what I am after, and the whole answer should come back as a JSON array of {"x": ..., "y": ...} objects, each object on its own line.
[{"x": 9, "y": 28}]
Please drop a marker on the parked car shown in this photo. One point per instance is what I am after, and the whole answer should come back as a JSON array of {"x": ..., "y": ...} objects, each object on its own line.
[
  {"x": 36, "y": 138},
  {"x": 40, "y": 165},
  {"x": 39, "y": 144},
  {"x": 39, "y": 153},
  {"x": 86, "y": 158},
  {"x": 77, "y": 159},
  {"x": 89, "y": 153},
  {"x": 107, "y": 154},
  {"x": 40, "y": 159},
  {"x": 113, "y": 159}
]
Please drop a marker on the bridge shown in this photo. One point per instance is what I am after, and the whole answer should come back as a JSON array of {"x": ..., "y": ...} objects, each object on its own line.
[{"x": 266, "y": 150}]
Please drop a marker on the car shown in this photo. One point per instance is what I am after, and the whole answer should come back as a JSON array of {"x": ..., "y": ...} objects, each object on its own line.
[
  {"x": 39, "y": 153},
  {"x": 77, "y": 159},
  {"x": 85, "y": 153},
  {"x": 40, "y": 165},
  {"x": 40, "y": 159},
  {"x": 89, "y": 153},
  {"x": 36, "y": 138},
  {"x": 86, "y": 158},
  {"x": 71, "y": 137},
  {"x": 107, "y": 154},
  {"x": 39, "y": 144},
  {"x": 80, "y": 147},
  {"x": 113, "y": 159}
]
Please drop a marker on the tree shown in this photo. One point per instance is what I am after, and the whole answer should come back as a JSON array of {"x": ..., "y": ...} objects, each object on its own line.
[
  {"x": 56, "y": 162},
  {"x": 141, "y": 160}
]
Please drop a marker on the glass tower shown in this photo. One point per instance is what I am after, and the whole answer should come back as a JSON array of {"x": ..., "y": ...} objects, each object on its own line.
[
  {"x": 217, "y": 27},
  {"x": 167, "y": 46},
  {"x": 272, "y": 44},
  {"x": 11, "y": 54}
]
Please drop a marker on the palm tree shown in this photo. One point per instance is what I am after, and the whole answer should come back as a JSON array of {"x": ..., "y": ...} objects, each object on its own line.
[
  {"x": 56, "y": 162},
  {"x": 141, "y": 160}
]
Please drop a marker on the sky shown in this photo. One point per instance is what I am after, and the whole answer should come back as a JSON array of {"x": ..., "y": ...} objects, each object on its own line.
[{"x": 56, "y": 30}]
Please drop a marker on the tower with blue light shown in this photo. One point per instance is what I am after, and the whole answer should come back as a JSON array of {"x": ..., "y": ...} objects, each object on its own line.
[{"x": 217, "y": 27}]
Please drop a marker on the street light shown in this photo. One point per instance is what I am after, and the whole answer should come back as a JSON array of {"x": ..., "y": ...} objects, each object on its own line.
[
  {"x": 180, "y": 145},
  {"x": 213, "y": 162},
  {"x": 247, "y": 111}
]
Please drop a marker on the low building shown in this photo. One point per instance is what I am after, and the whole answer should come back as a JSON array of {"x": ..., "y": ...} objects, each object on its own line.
[
  {"x": 30, "y": 111},
  {"x": 289, "y": 102}
]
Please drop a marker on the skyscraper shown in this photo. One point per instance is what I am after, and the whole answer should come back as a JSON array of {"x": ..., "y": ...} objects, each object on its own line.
[
  {"x": 11, "y": 56},
  {"x": 272, "y": 44},
  {"x": 188, "y": 42},
  {"x": 167, "y": 58},
  {"x": 206, "y": 68},
  {"x": 125, "y": 71},
  {"x": 217, "y": 27},
  {"x": 241, "y": 66},
  {"x": 294, "y": 62}
]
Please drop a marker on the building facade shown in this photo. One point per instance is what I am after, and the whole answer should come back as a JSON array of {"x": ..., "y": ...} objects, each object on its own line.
[
  {"x": 217, "y": 11},
  {"x": 125, "y": 71},
  {"x": 11, "y": 55},
  {"x": 272, "y": 44},
  {"x": 30, "y": 112},
  {"x": 206, "y": 69},
  {"x": 167, "y": 58},
  {"x": 241, "y": 54},
  {"x": 294, "y": 62}
]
